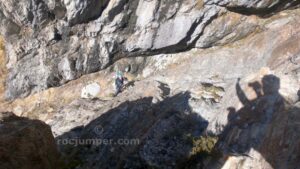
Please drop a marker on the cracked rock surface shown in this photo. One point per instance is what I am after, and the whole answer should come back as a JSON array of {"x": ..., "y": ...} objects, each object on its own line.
[{"x": 67, "y": 39}]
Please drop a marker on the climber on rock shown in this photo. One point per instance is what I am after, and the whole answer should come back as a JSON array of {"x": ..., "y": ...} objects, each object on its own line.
[{"x": 119, "y": 82}]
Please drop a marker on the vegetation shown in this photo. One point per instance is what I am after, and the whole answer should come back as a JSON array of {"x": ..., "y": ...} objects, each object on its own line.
[
  {"x": 3, "y": 71},
  {"x": 203, "y": 149},
  {"x": 214, "y": 91},
  {"x": 204, "y": 144}
]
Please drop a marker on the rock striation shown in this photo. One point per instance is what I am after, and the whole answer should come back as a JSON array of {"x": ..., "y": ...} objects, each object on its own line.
[{"x": 50, "y": 42}]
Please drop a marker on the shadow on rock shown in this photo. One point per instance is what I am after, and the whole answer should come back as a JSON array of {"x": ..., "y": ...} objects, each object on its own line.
[
  {"x": 26, "y": 144},
  {"x": 136, "y": 134},
  {"x": 264, "y": 129}
]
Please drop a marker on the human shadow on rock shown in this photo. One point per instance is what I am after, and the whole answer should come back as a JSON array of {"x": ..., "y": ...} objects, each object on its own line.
[{"x": 266, "y": 125}]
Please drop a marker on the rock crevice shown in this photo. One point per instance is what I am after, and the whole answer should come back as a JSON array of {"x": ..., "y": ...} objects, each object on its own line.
[{"x": 95, "y": 34}]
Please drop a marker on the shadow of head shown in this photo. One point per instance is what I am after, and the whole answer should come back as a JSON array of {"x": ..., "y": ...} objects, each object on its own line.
[
  {"x": 271, "y": 84},
  {"x": 257, "y": 88}
]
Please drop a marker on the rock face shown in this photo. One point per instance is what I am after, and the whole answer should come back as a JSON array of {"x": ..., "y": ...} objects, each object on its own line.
[
  {"x": 83, "y": 11},
  {"x": 26, "y": 144},
  {"x": 244, "y": 114},
  {"x": 212, "y": 83},
  {"x": 51, "y": 42},
  {"x": 263, "y": 136}
]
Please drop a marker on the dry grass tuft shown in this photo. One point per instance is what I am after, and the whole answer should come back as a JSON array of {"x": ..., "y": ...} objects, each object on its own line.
[
  {"x": 200, "y": 4},
  {"x": 3, "y": 70}
]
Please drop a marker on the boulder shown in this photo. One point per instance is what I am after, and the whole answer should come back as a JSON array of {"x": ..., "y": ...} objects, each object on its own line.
[
  {"x": 26, "y": 144},
  {"x": 90, "y": 91}
]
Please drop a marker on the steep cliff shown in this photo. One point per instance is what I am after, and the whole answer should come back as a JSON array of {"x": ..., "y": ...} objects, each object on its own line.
[
  {"x": 212, "y": 84},
  {"x": 52, "y": 42}
]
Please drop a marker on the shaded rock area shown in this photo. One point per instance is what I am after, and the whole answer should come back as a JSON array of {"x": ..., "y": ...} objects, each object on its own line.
[
  {"x": 158, "y": 136},
  {"x": 264, "y": 129},
  {"x": 167, "y": 130},
  {"x": 26, "y": 144}
]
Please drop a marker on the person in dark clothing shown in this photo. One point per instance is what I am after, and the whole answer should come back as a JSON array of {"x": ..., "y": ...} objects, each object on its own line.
[{"x": 119, "y": 82}]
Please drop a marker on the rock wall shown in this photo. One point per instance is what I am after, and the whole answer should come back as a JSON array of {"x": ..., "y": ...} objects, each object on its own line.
[{"x": 49, "y": 43}]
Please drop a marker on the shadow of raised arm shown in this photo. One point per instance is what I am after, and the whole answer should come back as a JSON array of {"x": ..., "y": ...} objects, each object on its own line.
[{"x": 241, "y": 94}]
